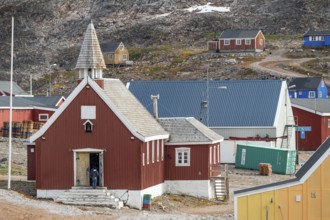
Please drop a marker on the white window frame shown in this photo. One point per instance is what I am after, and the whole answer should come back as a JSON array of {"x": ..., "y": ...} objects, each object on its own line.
[
  {"x": 218, "y": 153},
  {"x": 238, "y": 42},
  {"x": 247, "y": 41},
  {"x": 312, "y": 38},
  {"x": 214, "y": 155},
  {"x": 210, "y": 154},
  {"x": 162, "y": 144},
  {"x": 321, "y": 38},
  {"x": 226, "y": 42},
  {"x": 320, "y": 94},
  {"x": 42, "y": 115},
  {"x": 121, "y": 47},
  {"x": 124, "y": 57},
  {"x": 153, "y": 152},
  {"x": 148, "y": 157},
  {"x": 182, "y": 151},
  {"x": 322, "y": 83},
  {"x": 311, "y": 95},
  {"x": 157, "y": 150},
  {"x": 143, "y": 159}
]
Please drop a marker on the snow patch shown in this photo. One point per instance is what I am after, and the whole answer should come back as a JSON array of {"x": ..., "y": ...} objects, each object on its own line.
[{"x": 207, "y": 8}]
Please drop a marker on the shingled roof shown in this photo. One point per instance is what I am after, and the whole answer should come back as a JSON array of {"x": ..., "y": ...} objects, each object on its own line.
[
  {"x": 90, "y": 56},
  {"x": 5, "y": 88},
  {"x": 109, "y": 47},
  {"x": 188, "y": 130},
  {"x": 305, "y": 83},
  {"x": 318, "y": 106},
  {"x": 309, "y": 33},
  {"x": 239, "y": 34}
]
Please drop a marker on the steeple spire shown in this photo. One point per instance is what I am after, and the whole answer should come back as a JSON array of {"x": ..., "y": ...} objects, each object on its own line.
[{"x": 90, "y": 61}]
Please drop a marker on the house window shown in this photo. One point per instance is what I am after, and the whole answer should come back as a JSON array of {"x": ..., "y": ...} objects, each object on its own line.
[
  {"x": 321, "y": 38},
  {"x": 157, "y": 150},
  {"x": 182, "y": 156},
  {"x": 311, "y": 94},
  {"x": 312, "y": 38},
  {"x": 218, "y": 153},
  {"x": 247, "y": 42},
  {"x": 238, "y": 42},
  {"x": 162, "y": 144},
  {"x": 320, "y": 94},
  {"x": 210, "y": 155},
  {"x": 124, "y": 57},
  {"x": 214, "y": 155},
  {"x": 148, "y": 153},
  {"x": 88, "y": 126},
  {"x": 121, "y": 47},
  {"x": 300, "y": 93},
  {"x": 153, "y": 152},
  {"x": 261, "y": 42},
  {"x": 322, "y": 83},
  {"x": 110, "y": 56},
  {"x": 226, "y": 42},
  {"x": 43, "y": 117}
]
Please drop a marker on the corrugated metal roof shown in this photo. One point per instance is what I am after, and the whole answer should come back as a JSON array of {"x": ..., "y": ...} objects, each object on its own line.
[
  {"x": 305, "y": 83},
  {"x": 319, "y": 105},
  {"x": 309, "y": 33},
  {"x": 5, "y": 86},
  {"x": 238, "y": 34},
  {"x": 244, "y": 102},
  {"x": 303, "y": 173},
  {"x": 110, "y": 47},
  {"x": 131, "y": 109},
  {"x": 36, "y": 101},
  {"x": 90, "y": 56},
  {"x": 188, "y": 130}
]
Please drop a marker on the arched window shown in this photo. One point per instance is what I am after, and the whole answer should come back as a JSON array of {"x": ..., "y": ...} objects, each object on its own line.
[{"x": 88, "y": 126}]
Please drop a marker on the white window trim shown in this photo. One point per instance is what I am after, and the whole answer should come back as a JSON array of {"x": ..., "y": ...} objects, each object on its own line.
[
  {"x": 214, "y": 155},
  {"x": 320, "y": 94},
  {"x": 153, "y": 152},
  {"x": 238, "y": 42},
  {"x": 182, "y": 150},
  {"x": 143, "y": 159},
  {"x": 148, "y": 153},
  {"x": 247, "y": 40},
  {"x": 218, "y": 153},
  {"x": 162, "y": 143},
  {"x": 41, "y": 115},
  {"x": 224, "y": 42},
  {"x": 310, "y": 94},
  {"x": 210, "y": 155},
  {"x": 157, "y": 150}
]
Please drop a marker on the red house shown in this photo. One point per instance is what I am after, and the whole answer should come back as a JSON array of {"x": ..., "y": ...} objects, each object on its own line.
[
  {"x": 238, "y": 41},
  {"x": 102, "y": 125},
  {"x": 313, "y": 115},
  {"x": 34, "y": 108}
]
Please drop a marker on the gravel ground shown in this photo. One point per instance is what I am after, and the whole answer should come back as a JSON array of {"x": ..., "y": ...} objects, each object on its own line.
[{"x": 26, "y": 206}]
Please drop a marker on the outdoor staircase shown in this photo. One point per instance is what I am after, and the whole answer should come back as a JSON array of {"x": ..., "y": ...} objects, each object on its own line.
[
  {"x": 89, "y": 197},
  {"x": 221, "y": 186},
  {"x": 289, "y": 132}
]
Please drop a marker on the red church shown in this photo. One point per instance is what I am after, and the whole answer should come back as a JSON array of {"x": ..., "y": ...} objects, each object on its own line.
[{"x": 102, "y": 125}]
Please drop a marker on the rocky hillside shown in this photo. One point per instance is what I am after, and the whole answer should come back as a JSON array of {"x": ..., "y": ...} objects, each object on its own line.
[{"x": 165, "y": 40}]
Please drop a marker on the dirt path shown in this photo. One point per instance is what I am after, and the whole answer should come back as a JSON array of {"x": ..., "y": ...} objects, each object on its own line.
[{"x": 274, "y": 65}]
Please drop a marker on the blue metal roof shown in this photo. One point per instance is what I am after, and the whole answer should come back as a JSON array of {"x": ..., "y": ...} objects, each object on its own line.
[{"x": 244, "y": 102}]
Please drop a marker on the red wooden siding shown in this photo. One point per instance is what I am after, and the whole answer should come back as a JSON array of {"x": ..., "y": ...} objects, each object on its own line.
[
  {"x": 154, "y": 172},
  {"x": 18, "y": 115},
  {"x": 36, "y": 112},
  {"x": 233, "y": 47},
  {"x": 260, "y": 42},
  {"x": 31, "y": 163},
  {"x": 213, "y": 45},
  {"x": 199, "y": 168},
  {"x": 122, "y": 153},
  {"x": 320, "y": 130}
]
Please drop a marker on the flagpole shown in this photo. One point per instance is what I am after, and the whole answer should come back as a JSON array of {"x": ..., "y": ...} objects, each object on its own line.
[{"x": 11, "y": 102}]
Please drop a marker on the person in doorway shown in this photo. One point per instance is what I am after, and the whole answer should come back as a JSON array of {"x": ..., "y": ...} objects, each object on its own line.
[{"x": 94, "y": 174}]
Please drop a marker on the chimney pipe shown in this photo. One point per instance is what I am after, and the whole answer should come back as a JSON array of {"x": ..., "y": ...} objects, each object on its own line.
[{"x": 155, "y": 105}]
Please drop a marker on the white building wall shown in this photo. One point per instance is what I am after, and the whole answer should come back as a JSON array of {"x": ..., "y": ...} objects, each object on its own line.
[
  {"x": 197, "y": 188},
  {"x": 245, "y": 131}
]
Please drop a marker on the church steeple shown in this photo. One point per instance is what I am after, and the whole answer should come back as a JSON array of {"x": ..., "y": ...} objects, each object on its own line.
[{"x": 90, "y": 61}]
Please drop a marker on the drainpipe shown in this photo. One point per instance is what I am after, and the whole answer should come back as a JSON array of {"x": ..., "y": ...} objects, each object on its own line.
[{"x": 155, "y": 105}]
